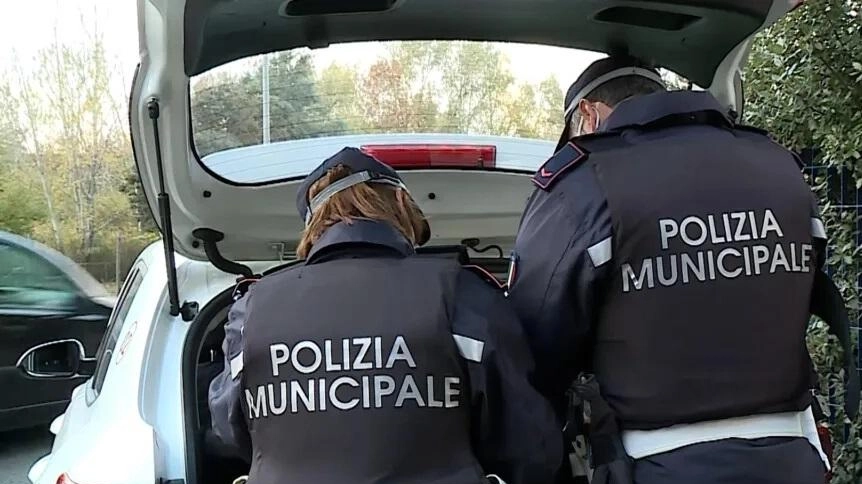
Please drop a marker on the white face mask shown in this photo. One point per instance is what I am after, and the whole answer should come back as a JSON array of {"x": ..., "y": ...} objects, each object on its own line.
[{"x": 580, "y": 129}]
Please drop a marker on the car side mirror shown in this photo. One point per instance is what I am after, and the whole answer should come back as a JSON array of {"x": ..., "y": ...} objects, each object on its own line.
[{"x": 57, "y": 359}]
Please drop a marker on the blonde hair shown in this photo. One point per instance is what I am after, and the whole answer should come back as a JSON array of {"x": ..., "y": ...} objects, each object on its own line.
[{"x": 371, "y": 201}]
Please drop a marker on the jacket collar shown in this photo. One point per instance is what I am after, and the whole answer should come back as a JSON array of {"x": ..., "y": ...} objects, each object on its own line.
[
  {"x": 642, "y": 110},
  {"x": 364, "y": 232}
]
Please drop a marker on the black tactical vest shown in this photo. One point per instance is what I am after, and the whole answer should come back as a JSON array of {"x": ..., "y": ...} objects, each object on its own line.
[
  {"x": 351, "y": 375},
  {"x": 705, "y": 312}
]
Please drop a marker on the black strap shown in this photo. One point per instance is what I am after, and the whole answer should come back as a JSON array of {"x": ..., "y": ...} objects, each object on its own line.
[
  {"x": 455, "y": 252},
  {"x": 603, "y": 431},
  {"x": 828, "y": 304}
]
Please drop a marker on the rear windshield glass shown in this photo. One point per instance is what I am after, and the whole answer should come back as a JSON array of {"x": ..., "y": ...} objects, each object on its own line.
[{"x": 350, "y": 94}]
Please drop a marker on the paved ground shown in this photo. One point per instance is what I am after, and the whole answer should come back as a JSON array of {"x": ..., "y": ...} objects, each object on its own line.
[{"x": 19, "y": 450}]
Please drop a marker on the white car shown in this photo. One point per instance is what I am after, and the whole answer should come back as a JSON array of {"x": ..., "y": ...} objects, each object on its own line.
[{"x": 142, "y": 417}]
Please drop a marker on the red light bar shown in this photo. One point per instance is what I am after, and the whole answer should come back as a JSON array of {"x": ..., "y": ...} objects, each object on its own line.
[{"x": 434, "y": 156}]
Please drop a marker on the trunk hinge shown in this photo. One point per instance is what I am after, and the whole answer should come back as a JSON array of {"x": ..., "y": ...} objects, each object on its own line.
[
  {"x": 188, "y": 309},
  {"x": 210, "y": 239}
]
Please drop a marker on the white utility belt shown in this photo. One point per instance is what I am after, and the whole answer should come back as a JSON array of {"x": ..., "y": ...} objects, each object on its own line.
[{"x": 644, "y": 443}]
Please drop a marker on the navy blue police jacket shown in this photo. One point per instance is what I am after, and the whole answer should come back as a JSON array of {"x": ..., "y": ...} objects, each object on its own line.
[
  {"x": 566, "y": 265},
  {"x": 512, "y": 428}
]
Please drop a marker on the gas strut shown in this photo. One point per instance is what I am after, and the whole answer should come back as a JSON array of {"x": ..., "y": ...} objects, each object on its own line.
[{"x": 188, "y": 310}]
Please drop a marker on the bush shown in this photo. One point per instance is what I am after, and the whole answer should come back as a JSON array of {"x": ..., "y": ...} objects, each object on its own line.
[{"x": 803, "y": 84}]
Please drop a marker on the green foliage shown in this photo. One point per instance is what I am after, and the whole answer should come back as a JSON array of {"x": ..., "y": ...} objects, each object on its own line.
[
  {"x": 412, "y": 87},
  {"x": 141, "y": 212},
  {"x": 228, "y": 113},
  {"x": 64, "y": 153},
  {"x": 803, "y": 84},
  {"x": 20, "y": 211}
]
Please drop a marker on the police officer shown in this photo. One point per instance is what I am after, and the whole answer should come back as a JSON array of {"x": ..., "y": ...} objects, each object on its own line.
[
  {"x": 667, "y": 257},
  {"x": 367, "y": 363}
]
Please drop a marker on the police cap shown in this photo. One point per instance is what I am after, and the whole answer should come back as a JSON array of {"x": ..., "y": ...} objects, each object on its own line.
[
  {"x": 365, "y": 169},
  {"x": 597, "y": 74}
]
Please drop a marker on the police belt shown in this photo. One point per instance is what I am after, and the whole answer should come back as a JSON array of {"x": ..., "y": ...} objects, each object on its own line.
[
  {"x": 612, "y": 451},
  {"x": 646, "y": 443}
]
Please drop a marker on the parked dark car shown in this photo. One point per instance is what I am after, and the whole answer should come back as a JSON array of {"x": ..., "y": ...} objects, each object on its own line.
[{"x": 44, "y": 298}]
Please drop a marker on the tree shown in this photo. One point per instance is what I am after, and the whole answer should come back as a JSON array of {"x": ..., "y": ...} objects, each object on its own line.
[
  {"x": 535, "y": 111},
  {"x": 389, "y": 104},
  {"x": 74, "y": 146},
  {"x": 19, "y": 210},
  {"x": 227, "y": 108},
  {"x": 475, "y": 78},
  {"x": 140, "y": 209},
  {"x": 338, "y": 86},
  {"x": 803, "y": 84}
]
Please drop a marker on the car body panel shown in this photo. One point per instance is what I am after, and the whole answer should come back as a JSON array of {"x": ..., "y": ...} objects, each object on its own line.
[
  {"x": 71, "y": 305},
  {"x": 136, "y": 421},
  {"x": 296, "y": 158},
  {"x": 103, "y": 437}
]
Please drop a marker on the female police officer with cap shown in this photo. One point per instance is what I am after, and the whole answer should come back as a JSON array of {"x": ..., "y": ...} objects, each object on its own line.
[{"x": 367, "y": 363}]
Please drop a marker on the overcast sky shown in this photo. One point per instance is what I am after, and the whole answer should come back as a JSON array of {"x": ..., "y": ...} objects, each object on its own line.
[{"x": 29, "y": 25}]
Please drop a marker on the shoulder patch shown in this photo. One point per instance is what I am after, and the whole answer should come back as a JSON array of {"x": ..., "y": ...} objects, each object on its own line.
[
  {"x": 564, "y": 160},
  {"x": 485, "y": 275}
]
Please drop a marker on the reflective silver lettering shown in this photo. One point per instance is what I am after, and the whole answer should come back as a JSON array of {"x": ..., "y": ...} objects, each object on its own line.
[
  {"x": 451, "y": 391},
  {"x": 366, "y": 392},
  {"x": 684, "y": 232},
  {"x": 770, "y": 224},
  {"x": 753, "y": 225},
  {"x": 715, "y": 238},
  {"x": 746, "y": 256},
  {"x": 321, "y": 391},
  {"x": 779, "y": 259},
  {"x": 315, "y": 351},
  {"x": 739, "y": 218},
  {"x": 345, "y": 353},
  {"x": 806, "y": 257},
  {"x": 400, "y": 351},
  {"x": 380, "y": 390},
  {"x": 727, "y": 232},
  {"x": 277, "y": 409},
  {"x": 297, "y": 393},
  {"x": 378, "y": 352},
  {"x": 256, "y": 403},
  {"x": 710, "y": 261},
  {"x": 327, "y": 348},
  {"x": 409, "y": 390},
  {"x": 720, "y": 262},
  {"x": 333, "y": 393},
  {"x": 668, "y": 229},
  {"x": 794, "y": 262},
  {"x": 688, "y": 265},
  {"x": 364, "y": 344},
  {"x": 431, "y": 402},
  {"x": 669, "y": 281},
  {"x": 279, "y": 354},
  {"x": 629, "y": 276},
  {"x": 760, "y": 254}
]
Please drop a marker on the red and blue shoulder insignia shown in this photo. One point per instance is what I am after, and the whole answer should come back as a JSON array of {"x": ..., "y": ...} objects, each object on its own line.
[
  {"x": 484, "y": 275},
  {"x": 563, "y": 160}
]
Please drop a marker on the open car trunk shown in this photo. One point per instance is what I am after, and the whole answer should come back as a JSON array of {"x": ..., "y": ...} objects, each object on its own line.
[{"x": 703, "y": 40}]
